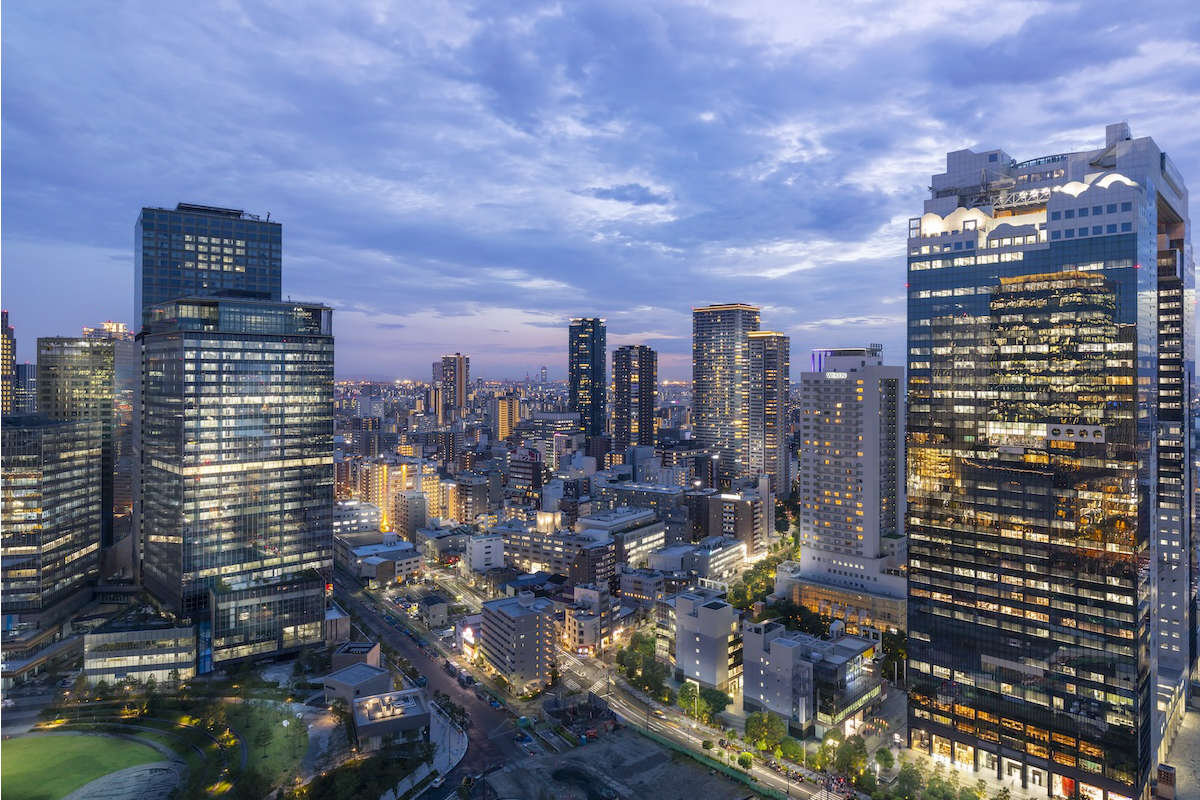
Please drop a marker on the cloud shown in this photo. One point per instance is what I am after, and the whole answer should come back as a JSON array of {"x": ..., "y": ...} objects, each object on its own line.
[
  {"x": 632, "y": 193},
  {"x": 469, "y": 176}
]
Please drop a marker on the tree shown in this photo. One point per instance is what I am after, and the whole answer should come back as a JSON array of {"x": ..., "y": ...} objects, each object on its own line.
[
  {"x": 689, "y": 695},
  {"x": 745, "y": 761},
  {"x": 707, "y": 744},
  {"x": 883, "y": 757},
  {"x": 850, "y": 756},
  {"x": 1004, "y": 794},
  {"x": 909, "y": 782},
  {"x": 793, "y": 750},
  {"x": 765, "y": 729},
  {"x": 716, "y": 700}
]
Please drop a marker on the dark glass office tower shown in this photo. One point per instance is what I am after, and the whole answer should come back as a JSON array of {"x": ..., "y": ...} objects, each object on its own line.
[
  {"x": 202, "y": 251},
  {"x": 76, "y": 382},
  {"x": 721, "y": 385},
  {"x": 1036, "y": 361},
  {"x": 25, "y": 389},
  {"x": 456, "y": 384},
  {"x": 587, "y": 354},
  {"x": 770, "y": 383},
  {"x": 236, "y": 491},
  {"x": 635, "y": 396},
  {"x": 50, "y": 513}
]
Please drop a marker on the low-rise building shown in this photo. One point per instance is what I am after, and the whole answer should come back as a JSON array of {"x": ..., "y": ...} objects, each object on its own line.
[
  {"x": 708, "y": 642},
  {"x": 642, "y": 587},
  {"x": 867, "y": 605},
  {"x": 485, "y": 551},
  {"x": 348, "y": 653},
  {"x": 355, "y": 516},
  {"x": 138, "y": 646},
  {"x": 517, "y": 638},
  {"x": 815, "y": 684},
  {"x": 636, "y": 532},
  {"x": 588, "y": 624},
  {"x": 356, "y": 680},
  {"x": 390, "y": 718},
  {"x": 717, "y": 558},
  {"x": 382, "y": 562},
  {"x": 337, "y": 625},
  {"x": 434, "y": 611}
]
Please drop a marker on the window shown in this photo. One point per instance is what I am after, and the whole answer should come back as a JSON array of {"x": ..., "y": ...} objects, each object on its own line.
[
  {"x": 1070, "y": 233},
  {"x": 1111, "y": 208},
  {"x": 1069, "y": 214},
  {"x": 1127, "y": 206},
  {"x": 1126, "y": 227},
  {"x": 1056, "y": 234},
  {"x": 992, "y": 156},
  {"x": 1111, "y": 228},
  {"x": 1096, "y": 230},
  {"x": 1083, "y": 212},
  {"x": 1083, "y": 231},
  {"x": 1097, "y": 210},
  {"x": 1055, "y": 215}
]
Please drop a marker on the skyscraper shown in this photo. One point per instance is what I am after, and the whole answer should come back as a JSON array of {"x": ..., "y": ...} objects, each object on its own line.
[
  {"x": 586, "y": 355},
  {"x": 8, "y": 364},
  {"x": 25, "y": 389},
  {"x": 204, "y": 251},
  {"x": 508, "y": 414},
  {"x": 236, "y": 490},
  {"x": 76, "y": 382},
  {"x": 126, "y": 365},
  {"x": 635, "y": 396},
  {"x": 770, "y": 384},
  {"x": 1041, "y": 338},
  {"x": 850, "y": 484},
  {"x": 51, "y": 515},
  {"x": 721, "y": 384},
  {"x": 456, "y": 384}
]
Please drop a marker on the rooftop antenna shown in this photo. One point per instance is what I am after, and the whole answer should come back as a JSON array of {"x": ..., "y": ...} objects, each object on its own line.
[{"x": 268, "y": 216}]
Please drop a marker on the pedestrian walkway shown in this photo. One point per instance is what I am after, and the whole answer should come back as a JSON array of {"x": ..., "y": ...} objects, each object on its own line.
[{"x": 450, "y": 747}]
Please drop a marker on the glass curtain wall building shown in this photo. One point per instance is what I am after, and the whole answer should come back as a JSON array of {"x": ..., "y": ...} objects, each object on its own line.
[
  {"x": 586, "y": 360},
  {"x": 1035, "y": 518},
  {"x": 76, "y": 381},
  {"x": 721, "y": 385},
  {"x": 635, "y": 396},
  {"x": 200, "y": 251},
  {"x": 237, "y": 470}
]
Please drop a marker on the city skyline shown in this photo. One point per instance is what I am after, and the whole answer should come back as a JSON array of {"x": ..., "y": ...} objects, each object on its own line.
[{"x": 784, "y": 156}]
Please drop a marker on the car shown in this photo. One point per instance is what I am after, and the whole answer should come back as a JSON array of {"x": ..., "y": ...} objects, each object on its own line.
[
  {"x": 438, "y": 781},
  {"x": 658, "y": 712}
]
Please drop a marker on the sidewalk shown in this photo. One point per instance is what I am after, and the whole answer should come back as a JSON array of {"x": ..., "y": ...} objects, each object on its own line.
[{"x": 450, "y": 747}]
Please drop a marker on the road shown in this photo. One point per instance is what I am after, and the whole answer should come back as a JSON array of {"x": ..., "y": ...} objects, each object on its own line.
[
  {"x": 676, "y": 727},
  {"x": 492, "y": 730}
]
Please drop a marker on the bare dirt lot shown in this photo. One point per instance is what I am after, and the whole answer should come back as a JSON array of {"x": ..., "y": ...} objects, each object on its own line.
[{"x": 618, "y": 765}]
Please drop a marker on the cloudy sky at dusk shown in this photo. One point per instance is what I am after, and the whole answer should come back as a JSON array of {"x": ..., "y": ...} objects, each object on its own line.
[{"x": 457, "y": 177}]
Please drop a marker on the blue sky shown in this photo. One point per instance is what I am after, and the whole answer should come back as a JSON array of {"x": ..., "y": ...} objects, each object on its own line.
[{"x": 459, "y": 177}]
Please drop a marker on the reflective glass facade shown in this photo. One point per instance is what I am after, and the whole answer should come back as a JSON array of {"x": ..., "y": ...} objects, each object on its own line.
[
  {"x": 50, "y": 510},
  {"x": 237, "y": 468},
  {"x": 770, "y": 383},
  {"x": 199, "y": 251},
  {"x": 1033, "y": 481},
  {"x": 587, "y": 352}
]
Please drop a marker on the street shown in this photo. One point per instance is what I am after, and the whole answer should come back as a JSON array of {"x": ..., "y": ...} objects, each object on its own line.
[{"x": 492, "y": 730}]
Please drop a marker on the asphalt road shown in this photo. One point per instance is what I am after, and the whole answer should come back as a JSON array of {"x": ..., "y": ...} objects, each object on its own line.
[{"x": 490, "y": 737}]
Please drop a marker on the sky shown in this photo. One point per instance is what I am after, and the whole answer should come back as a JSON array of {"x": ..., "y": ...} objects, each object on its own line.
[{"x": 468, "y": 177}]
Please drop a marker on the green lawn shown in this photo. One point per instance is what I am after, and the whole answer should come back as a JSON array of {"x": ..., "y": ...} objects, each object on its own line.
[{"x": 50, "y": 767}]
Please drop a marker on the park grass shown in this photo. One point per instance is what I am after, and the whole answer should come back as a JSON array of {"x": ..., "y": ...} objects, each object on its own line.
[{"x": 51, "y": 767}]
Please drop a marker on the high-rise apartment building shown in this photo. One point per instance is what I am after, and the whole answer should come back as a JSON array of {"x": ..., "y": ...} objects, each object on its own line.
[
  {"x": 1042, "y": 367},
  {"x": 721, "y": 384},
  {"x": 204, "y": 251},
  {"x": 8, "y": 364},
  {"x": 508, "y": 414},
  {"x": 587, "y": 352},
  {"x": 770, "y": 385},
  {"x": 635, "y": 396},
  {"x": 76, "y": 381},
  {"x": 456, "y": 384},
  {"x": 51, "y": 511},
  {"x": 236, "y": 490},
  {"x": 516, "y": 636},
  {"x": 851, "y": 476}
]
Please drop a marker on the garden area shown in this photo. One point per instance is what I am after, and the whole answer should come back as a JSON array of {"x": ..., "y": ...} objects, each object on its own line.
[
  {"x": 51, "y": 767},
  {"x": 643, "y": 671}
]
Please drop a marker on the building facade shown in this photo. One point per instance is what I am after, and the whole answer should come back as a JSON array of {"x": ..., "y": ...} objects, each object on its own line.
[
  {"x": 8, "y": 365},
  {"x": 708, "y": 642},
  {"x": 587, "y": 354},
  {"x": 770, "y": 386},
  {"x": 635, "y": 396},
  {"x": 202, "y": 251},
  {"x": 1033, "y": 510},
  {"x": 516, "y": 636},
  {"x": 456, "y": 384},
  {"x": 236, "y": 490},
  {"x": 721, "y": 384}
]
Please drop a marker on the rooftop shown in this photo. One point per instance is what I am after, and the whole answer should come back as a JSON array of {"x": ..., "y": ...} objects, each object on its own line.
[
  {"x": 382, "y": 707},
  {"x": 356, "y": 674}
]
